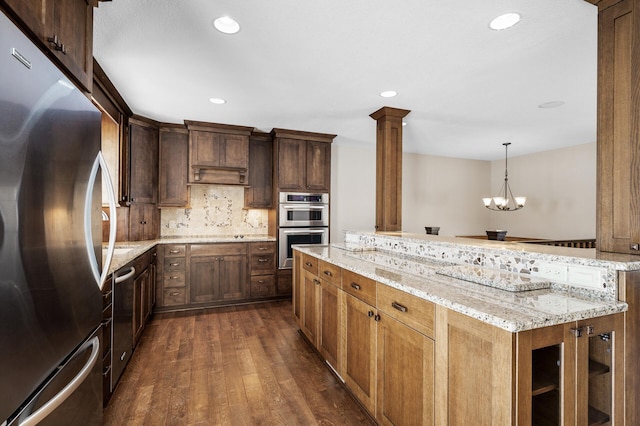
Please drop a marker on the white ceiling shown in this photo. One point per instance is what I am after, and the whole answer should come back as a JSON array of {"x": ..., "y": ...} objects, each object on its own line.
[{"x": 320, "y": 65}]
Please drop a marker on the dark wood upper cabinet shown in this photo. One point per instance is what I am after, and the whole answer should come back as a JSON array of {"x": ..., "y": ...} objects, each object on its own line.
[
  {"x": 303, "y": 160},
  {"x": 144, "y": 222},
  {"x": 218, "y": 153},
  {"x": 65, "y": 28},
  {"x": 259, "y": 193},
  {"x": 143, "y": 166},
  {"x": 173, "y": 167}
]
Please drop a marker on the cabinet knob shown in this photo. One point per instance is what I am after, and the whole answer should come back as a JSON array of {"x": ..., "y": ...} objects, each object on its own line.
[
  {"x": 377, "y": 317},
  {"x": 316, "y": 281},
  {"x": 370, "y": 314}
]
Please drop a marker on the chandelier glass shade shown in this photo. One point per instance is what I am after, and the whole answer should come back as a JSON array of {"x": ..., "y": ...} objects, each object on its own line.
[{"x": 505, "y": 201}]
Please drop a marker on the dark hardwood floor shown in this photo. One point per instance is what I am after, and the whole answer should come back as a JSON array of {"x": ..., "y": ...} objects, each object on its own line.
[{"x": 244, "y": 365}]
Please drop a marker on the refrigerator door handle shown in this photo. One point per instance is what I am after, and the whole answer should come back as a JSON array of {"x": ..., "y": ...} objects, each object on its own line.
[
  {"x": 100, "y": 163},
  {"x": 66, "y": 392}
]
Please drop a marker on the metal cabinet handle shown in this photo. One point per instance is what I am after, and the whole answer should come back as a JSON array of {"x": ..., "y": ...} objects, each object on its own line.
[
  {"x": 309, "y": 264},
  {"x": 263, "y": 260},
  {"x": 262, "y": 248},
  {"x": 174, "y": 251},
  {"x": 328, "y": 273},
  {"x": 260, "y": 281},
  {"x": 174, "y": 264},
  {"x": 355, "y": 286},
  {"x": 370, "y": 314},
  {"x": 635, "y": 247},
  {"x": 172, "y": 277},
  {"x": 316, "y": 281},
  {"x": 175, "y": 293},
  {"x": 377, "y": 317},
  {"x": 399, "y": 307}
]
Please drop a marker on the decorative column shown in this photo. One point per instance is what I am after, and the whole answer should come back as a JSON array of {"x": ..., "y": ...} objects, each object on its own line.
[{"x": 389, "y": 168}]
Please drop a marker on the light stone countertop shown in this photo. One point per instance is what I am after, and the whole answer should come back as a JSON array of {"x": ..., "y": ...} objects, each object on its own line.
[
  {"x": 509, "y": 310},
  {"x": 129, "y": 250}
]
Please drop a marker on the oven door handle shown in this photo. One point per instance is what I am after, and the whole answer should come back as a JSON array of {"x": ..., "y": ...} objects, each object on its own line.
[
  {"x": 312, "y": 231},
  {"x": 298, "y": 208}
]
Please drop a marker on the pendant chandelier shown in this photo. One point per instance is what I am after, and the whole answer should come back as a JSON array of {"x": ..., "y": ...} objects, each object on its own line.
[{"x": 505, "y": 201}]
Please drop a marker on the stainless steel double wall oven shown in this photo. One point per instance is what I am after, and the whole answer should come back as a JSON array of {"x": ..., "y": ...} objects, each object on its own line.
[{"x": 303, "y": 219}]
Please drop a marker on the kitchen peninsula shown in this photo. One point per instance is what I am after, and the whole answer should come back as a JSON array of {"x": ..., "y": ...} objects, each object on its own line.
[{"x": 506, "y": 333}]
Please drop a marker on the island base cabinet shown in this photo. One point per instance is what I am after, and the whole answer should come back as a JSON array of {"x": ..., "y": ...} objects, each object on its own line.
[
  {"x": 474, "y": 380},
  {"x": 405, "y": 375},
  {"x": 572, "y": 373}
]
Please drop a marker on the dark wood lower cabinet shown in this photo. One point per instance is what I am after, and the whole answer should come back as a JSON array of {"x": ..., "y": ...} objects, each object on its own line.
[{"x": 216, "y": 278}]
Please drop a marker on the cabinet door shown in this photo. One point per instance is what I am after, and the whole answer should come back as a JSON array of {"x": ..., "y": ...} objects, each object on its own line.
[
  {"x": 310, "y": 313},
  {"x": 546, "y": 361},
  {"x": 72, "y": 24},
  {"x": 33, "y": 13},
  {"x": 291, "y": 164},
  {"x": 360, "y": 351},
  {"x": 233, "y": 277},
  {"x": 204, "y": 279},
  {"x": 143, "y": 164},
  {"x": 234, "y": 151},
  {"x": 259, "y": 194},
  {"x": 297, "y": 287},
  {"x": 618, "y": 141},
  {"x": 143, "y": 222},
  {"x": 139, "y": 289},
  {"x": 318, "y": 166},
  {"x": 474, "y": 371},
  {"x": 173, "y": 169},
  {"x": 599, "y": 371},
  {"x": 405, "y": 375},
  {"x": 329, "y": 336}
]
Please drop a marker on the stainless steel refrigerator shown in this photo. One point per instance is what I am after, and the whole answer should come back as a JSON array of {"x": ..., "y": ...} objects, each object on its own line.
[{"x": 50, "y": 242}]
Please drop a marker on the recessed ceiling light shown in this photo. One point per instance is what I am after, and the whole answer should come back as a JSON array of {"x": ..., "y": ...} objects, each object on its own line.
[
  {"x": 504, "y": 21},
  {"x": 552, "y": 104},
  {"x": 226, "y": 25},
  {"x": 217, "y": 101},
  {"x": 388, "y": 93}
]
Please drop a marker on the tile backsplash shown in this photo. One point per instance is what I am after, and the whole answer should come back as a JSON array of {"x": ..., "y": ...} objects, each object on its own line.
[{"x": 215, "y": 210}]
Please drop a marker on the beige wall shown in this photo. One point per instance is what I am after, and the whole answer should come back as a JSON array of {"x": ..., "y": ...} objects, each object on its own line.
[
  {"x": 444, "y": 192},
  {"x": 447, "y": 192},
  {"x": 560, "y": 187}
]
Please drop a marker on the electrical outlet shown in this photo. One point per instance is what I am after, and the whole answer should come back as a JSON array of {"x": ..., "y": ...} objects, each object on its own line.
[
  {"x": 585, "y": 277},
  {"x": 553, "y": 271}
]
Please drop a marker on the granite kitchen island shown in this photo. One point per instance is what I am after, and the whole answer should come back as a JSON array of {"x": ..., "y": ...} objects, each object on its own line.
[{"x": 437, "y": 330}]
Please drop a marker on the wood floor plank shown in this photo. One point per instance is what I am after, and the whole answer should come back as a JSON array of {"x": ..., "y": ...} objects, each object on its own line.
[{"x": 245, "y": 365}]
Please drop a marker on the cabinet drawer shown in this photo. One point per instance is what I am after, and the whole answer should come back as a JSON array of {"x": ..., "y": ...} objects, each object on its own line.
[
  {"x": 263, "y": 263},
  {"x": 417, "y": 313},
  {"x": 310, "y": 264},
  {"x": 361, "y": 287},
  {"x": 218, "y": 249},
  {"x": 330, "y": 273},
  {"x": 174, "y": 264},
  {"x": 141, "y": 262},
  {"x": 174, "y": 297},
  {"x": 263, "y": 286},
  {"x": 262, "y": 247},
  {"x": 173, "y": 279},
  {"x": 175, "y": 250}
]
